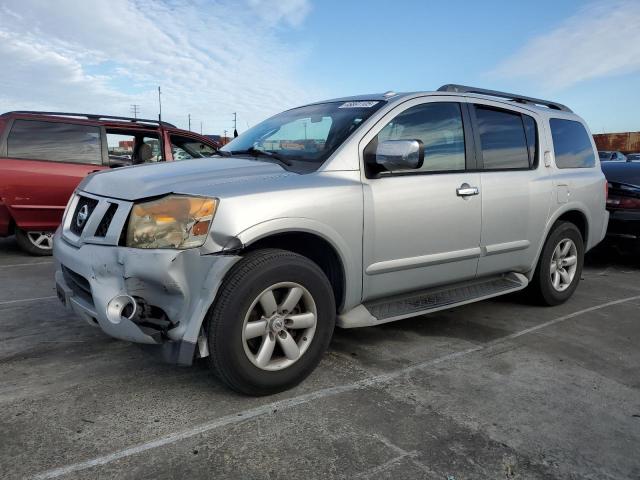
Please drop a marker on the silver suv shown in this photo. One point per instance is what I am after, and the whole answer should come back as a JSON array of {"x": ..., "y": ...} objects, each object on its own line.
[{"x": 350, "y": 212}]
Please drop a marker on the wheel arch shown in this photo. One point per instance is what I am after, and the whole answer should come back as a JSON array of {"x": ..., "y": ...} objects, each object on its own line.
[
  {"x": 320, "y": 245},
  {"x": 571, "y": 213}
]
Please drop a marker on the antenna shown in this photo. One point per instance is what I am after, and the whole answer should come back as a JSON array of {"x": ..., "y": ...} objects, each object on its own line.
[
  {"x": 159, "y": 105},
  {"x": 235, "y": 122}
]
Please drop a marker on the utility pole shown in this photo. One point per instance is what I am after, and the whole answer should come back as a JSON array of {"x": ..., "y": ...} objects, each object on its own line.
[
  {"x": 189, "y": 122},
  {"x": 224, "y": 139},
  {"x": 200, "y": 127},
  {"x": 159, "y": 105},
  {"x": 235, "y": 122},
  {"x": 135, "y": 109},
  {"x": 305, "y": 130}
]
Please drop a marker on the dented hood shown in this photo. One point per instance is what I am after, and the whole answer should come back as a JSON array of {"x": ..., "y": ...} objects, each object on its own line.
[{"x": 189, "y": 176}]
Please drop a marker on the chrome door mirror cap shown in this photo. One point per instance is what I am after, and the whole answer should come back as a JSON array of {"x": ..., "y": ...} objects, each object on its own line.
[{"x": 396, "y": 155}]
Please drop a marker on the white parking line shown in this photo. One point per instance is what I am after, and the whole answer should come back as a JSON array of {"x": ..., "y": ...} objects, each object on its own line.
[
  {"x": 306, "y": 398},
  {"x": 9, "y": 302},
  {"x": 26, "y": 264}
]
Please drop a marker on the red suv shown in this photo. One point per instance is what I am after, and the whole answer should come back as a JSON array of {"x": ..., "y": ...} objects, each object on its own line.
[{"x": 45, "y": 155}]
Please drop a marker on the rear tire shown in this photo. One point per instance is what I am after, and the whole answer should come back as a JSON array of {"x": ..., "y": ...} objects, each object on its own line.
[
  {"x": 294, "y": 333},
  {"x": 35, "y": 242},
  {"x": 560, "y": 265}
]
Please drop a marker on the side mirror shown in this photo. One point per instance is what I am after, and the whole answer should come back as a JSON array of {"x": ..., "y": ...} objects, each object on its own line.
[{"x": 396, "y": 155}]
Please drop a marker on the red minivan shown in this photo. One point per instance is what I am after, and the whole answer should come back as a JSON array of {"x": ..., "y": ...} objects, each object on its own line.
[{"x": 45, "y": 155}]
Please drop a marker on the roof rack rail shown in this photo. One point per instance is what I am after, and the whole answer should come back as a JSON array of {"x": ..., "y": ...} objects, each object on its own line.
[
  {"x": 511, "y": 96},
  {"x": 92, "y": 116}
]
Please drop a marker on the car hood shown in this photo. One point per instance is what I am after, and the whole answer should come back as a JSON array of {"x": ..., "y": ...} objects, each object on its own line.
[{"x": 188, "y": 176}]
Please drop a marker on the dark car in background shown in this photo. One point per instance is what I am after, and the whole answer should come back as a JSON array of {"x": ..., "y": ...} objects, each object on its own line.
[
  {"x": 633, "y": 157},
  {"x": 45, "y": 155},
  {"x": 609, "y": 156},
  {"x": 623, "y": 203}
]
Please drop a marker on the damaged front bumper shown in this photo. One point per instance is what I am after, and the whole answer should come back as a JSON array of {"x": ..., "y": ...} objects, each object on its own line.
[{"x": 172, "y": 290}]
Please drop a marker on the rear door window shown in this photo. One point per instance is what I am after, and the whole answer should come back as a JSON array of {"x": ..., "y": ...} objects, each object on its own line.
[
  {"x": 571, "y": 144},
  {"x": 503, "y": 141},
  {"x": 184, "y": 148},
  {"x": 55, "y": 142}
]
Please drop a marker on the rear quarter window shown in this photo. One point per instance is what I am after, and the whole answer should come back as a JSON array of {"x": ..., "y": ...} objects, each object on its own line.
[
  {"x": 55, "y": 142},
  {"x": 571, "y": 144}
]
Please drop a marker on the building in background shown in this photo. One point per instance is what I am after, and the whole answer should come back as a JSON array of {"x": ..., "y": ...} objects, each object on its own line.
[{"x": 627, "y": 142}]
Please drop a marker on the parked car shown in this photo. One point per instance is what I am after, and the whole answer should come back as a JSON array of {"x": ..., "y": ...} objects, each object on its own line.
[
  {"x": 360, "y": 211},
  {"x": 633, "y": 157},
  {"x": 623, "y": 204},
  {"x": 43, "y": 157},
  {"x": 607, "y": 156}
]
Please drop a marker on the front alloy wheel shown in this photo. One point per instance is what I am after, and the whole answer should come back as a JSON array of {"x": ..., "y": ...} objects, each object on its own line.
[
  {"x": 279, "y": 326},
  {"x": 272, "y": 321}
]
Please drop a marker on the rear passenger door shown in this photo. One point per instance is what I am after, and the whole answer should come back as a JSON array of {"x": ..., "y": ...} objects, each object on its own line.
[
  {"x": 43, "y": 162},
  {"x": 516, "y": 191}
]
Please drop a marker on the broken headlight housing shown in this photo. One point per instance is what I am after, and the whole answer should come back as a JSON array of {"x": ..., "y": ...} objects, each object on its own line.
[{"x": 174, "y": 221}]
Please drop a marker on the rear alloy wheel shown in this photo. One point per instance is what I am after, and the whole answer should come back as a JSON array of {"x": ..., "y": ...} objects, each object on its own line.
[
  {"x": 560, "y": 265},
  {"x": 271, "y": 323},
  {"x": 35, "y": 242}
]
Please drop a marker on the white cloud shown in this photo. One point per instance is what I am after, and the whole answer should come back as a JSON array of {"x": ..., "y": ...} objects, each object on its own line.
[
  {"x": 211, "y": 58},
  {"x": 602, "y": 39},
  {"x": 292, "y": 12}
]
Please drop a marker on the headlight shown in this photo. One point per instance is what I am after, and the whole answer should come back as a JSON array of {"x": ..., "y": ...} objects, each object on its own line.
[{"x": 174, "y": 221}]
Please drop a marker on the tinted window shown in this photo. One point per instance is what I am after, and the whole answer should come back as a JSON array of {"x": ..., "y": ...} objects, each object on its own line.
[
  {"x": 185, "y": 148},
  {"x": 438, "y": 126},
  {"x": 54, "y": 141},
  {"x": 502, "y": 138},
  {"x": 571, "y": 144},
  {"x": 531, "y": 131}
]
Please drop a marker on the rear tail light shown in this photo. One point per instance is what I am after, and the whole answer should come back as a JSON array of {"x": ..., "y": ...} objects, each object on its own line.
[{"x": 623, "y": 203}]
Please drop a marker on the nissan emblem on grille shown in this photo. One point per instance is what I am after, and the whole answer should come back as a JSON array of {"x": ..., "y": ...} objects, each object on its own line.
[{"x": 83, "y": 214}]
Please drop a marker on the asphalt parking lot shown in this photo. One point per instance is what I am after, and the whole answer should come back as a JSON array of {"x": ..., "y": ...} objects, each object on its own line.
[{"x": 499, "y": 389}]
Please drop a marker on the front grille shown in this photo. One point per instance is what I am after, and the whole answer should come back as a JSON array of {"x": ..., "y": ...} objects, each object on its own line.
[
  {"x": 84, "y": 209},
  {"x": 103, "y": 227},
  {"x": 78, "y": 284}
]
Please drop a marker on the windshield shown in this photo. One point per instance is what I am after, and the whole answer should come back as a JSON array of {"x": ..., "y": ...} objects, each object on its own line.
[
  {"x": 605, "y": 155},
  {"x": 303, "y": 138}
]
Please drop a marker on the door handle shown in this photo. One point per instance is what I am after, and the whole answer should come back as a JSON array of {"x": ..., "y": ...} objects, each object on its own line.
[{"x": 465, "y": 190}]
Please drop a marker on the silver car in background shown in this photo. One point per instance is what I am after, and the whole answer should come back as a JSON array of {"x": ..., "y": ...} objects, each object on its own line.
[{"x": 350, "y": 212}]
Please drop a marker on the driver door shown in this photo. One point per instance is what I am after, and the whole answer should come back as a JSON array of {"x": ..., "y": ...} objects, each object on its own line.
[{"x": 420, "y": 229}]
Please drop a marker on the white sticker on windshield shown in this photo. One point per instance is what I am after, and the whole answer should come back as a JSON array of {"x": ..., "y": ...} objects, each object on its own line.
[{"x": 360, "y": 104}]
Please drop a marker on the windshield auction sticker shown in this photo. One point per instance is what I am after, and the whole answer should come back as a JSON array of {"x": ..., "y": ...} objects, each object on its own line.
[{"x": 361, "y": 104}]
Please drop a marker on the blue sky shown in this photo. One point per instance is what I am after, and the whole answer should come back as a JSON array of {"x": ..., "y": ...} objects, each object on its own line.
[{"x": 257, "y": 57}]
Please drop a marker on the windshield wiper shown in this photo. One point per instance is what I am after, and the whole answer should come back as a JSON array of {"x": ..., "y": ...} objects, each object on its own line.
[{"x": 254, "y": 152}]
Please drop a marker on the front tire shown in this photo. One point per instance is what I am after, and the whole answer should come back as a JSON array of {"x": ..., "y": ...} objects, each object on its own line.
[
  {"x": 560, "y": 265},
  {"x": 271, "y": 323},
  {"x": 35, "y": 242}
]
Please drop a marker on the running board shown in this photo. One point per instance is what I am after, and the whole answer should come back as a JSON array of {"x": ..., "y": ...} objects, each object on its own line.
[{"x": 412, "y": 304}]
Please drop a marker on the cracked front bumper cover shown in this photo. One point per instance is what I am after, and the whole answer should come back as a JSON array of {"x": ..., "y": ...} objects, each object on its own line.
[{"x": 182, "y": 283}]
